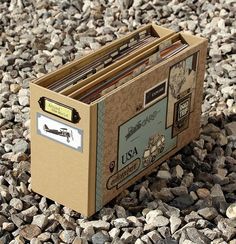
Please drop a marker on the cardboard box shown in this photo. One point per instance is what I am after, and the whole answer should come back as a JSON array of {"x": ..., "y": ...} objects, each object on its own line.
[{"x": 83, "y": 155}]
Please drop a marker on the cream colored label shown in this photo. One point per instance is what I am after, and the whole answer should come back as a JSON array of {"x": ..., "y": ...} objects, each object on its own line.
[{"x": 58, "y": 110}]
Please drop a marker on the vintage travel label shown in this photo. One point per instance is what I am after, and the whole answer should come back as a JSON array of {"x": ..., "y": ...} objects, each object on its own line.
[
  {"x": 60, "y": 132},
  {"x": 182, "y": 79},
  {"x": 142, "y": 141}
]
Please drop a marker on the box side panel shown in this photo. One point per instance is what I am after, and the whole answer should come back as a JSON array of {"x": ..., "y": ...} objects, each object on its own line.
[
  {"x": 146, "y": 121},
  {"x": 60, "y": 149}
]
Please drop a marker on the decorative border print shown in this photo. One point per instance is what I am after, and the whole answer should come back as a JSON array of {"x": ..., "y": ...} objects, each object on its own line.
[
  {"x": 182, "y": 81},
  {"x": 60, "y": 132},
  {"x": 155, "y": 93},
  {"x": 100, "y": 154},
  {"x": 181, "y": 115}
]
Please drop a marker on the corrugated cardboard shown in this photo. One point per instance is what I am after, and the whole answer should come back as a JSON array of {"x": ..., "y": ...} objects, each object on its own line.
[{"x": 120, "y": 137}]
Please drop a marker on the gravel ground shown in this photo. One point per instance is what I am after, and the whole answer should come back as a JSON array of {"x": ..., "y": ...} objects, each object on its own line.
[{"x": 190, "y": 198}]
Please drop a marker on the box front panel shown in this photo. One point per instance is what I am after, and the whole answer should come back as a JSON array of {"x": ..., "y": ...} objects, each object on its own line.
[
  {"x": 60, "y": 148},
  {"x": 144, "y": 122}
]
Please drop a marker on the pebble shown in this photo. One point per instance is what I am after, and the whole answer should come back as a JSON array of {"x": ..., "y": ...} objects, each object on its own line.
[
  {"x": 127, "y": 237},
  {"x": 227, "y": 229},
  {"x": 113, "y": 233},
  {"x": 40, "y": 220},
  {"x": 155, "y": 218},
  {"x": 120, "y": 223},
  {"x": 67, "y": 236},
  {"x": 182, "y": 202},
  {"x": 178, "y": 172},
  {"x": 208, "y": 213},
  {"x": 231, "y": 128},
  {"x": 30, "y": 212},
  {"x": 14, "y": 88},
  {"x": 100, "y": 238},
  {"x": 8, "y": 226},
  {"x": 30, "y": 231},
  {"x": 163, "y": 174},
  {"x": 231, "y": 211},
  {"x": 175, "y": 223},
  {"x": 16, "y": 203},
  {"x": 97, "y": 224},
  {"x": 203, "y": 193}
]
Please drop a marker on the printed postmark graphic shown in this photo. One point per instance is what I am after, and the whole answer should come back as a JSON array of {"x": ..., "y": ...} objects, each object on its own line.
[
  {"x": 182, "y": 79},
  {"x": 60, "y": 132}
]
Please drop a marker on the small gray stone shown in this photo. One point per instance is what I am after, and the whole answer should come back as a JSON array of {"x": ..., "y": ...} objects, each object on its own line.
[
  {"x": 187, "y": 180},
  {"x": 88, "y": 233},
  {"x": 40, "y": 220},
  {"x": 127, "y": 237},
  {"x": 16, "y": 220},
  {"x": 163, "y": 174},
  {"x": 175, "y": 223},
  {"x": 139, "y": 241},
  {"x": 178, "y": 172},
  {"x": 155, "y": 218},
  {"x": 7, "y": 113},
  {"x": 30, "y": 212},
  {"x": 143, "y": 194},
  {"x": 43, "y": 204},
  {"x": 120, "y": 211},
  {"x": 107, "y": 213},
  {"x": 196, "y": 236},
  {"x": 23, "y": 97},
  {"x": 100, "y": 238},
  {"x": 20, "y": 146},
  {"x": 211, "y": 234},
  {"x": 8, "y": 226},
  {"x": 24, "y": 100},
  {"x": 154, "y": 236},
  {"x": 193, "y": 216},
  {"x": 97, "y": 224},
  {"x": 179, "y": 190},
  {"x": 137, "y": 232},
  {"x": 16, "y": 203},
  {"x": 231, "y": 128},
  {"x": 208, "y": 213},
  {"x": 231, "y": 211},
  {"x": 228, "y": 231},
  {"x": 44, "y": 236},
  {"x": 114, "y": 232},
  {"x": 120, "y": 223},
  {"x": 57, "y": 60},
  {"x": 3, "y": 219},
  {"x": 164, "y": 194},
  {"x": 226, "y": 48},
  {"x": 146, "y": 239},
  {"x": 67, "y": 236},
  {"x": 134, "y": 221}
]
